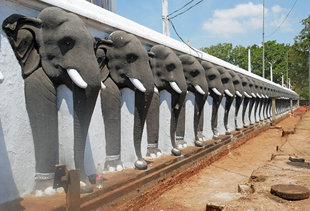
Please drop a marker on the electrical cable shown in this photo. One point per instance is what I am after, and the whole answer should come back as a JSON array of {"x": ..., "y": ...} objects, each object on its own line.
[
  {"x": 186, "y": 9},
  {"x": 198, "y": 53},
  {"x": 180, "y": 8},
  {"x": 283, "y": 20}
]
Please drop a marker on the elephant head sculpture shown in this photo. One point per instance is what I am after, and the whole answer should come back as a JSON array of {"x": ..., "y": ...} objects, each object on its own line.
[
  {"x": 237, "y": 82},
  {"x": 197, "y": 84},
  {"x": 168, "y": 75},
  {"x": 51, "y": 52},
  {"x": 229, "y": 91},
  {"x": 257, "y": 99},
  {"x": 253, "y": 99},
  {"x": 247, "y": 97},
  {"x": 127, "y": 66},
  {"x": 216, "y": 89},
  {"x": 1, "y": 78}
]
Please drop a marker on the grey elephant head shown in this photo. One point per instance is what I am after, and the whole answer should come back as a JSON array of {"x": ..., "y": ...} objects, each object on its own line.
[
  {"x": 251, "y": 87},
  {"x": 245, "y": 87},
  {"x": 229, "y": 90},
  {"x": 214, "y": 78},
  {"x": 227, "y": 82},
  {"x": 167, "y": 70},
  {"x": 128, "y": 66},
  {"x": 1, "y": 78},
  {"x": 196, "y": 83},
  {"x": 237, "y": 83},
  {"x": 51, "y": 52},
  {"x": 194, "y": 75},
  {"x": 168, "y": 75}
]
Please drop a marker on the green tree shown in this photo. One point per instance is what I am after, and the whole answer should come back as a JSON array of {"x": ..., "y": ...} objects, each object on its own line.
[{"x": 298, "y": 60}]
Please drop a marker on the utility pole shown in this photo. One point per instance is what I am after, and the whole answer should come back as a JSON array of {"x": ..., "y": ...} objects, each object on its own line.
[
  {"x": 249, "y": 58},
  {"x": 271, "y": 76},
  {"x": 166, "y": 30},
  {"x": 263, "y": 38},
  {"x": 287, "y": 66},
  {"x": 282, "y": 79}
]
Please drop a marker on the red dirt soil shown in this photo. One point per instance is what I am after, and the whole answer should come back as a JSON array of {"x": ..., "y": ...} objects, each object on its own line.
[{"x": 218, "y": 183}]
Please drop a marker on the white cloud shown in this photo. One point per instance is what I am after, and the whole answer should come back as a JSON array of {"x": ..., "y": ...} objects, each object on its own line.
[
  {"x": 236, "y": 20},
  {"x": 244, "y": 18},
  {"x": 276, "y": 9}
]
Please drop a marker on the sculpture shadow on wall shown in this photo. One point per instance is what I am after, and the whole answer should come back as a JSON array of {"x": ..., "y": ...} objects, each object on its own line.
[{"x": 7, "y": 183}]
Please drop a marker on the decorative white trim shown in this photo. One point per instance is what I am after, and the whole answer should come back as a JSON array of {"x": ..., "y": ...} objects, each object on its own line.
[
  {"x": 112, "y": 157},
  {"x": 44, "y": 176}
]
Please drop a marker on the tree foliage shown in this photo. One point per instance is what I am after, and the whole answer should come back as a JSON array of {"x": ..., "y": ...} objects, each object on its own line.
[{"x": 282, "y": 56}]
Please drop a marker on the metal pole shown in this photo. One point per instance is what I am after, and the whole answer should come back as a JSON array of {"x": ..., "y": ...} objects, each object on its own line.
[
  {"x": 287, "y": 67},
  {"x": 165, "y": 18},
  {"x": 249, "y": 59},
  {"x": 263, "y": 38},
  {"x": 271, "y": 75},
  {"x": 282, "y": 79}
]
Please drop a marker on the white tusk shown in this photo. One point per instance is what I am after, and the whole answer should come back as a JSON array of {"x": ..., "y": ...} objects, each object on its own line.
[
  {"x": 267, "y": 96},
  {"x": 238, "y": 93},
  {"x": 76, "y": 78},
  {"x": 258, "y": 95},
  {"x": 228, "y": 93},
  {"x": 175, "y": 87},
  {"x": 137, "y": 84},
  {"x": 199, "y": 89},
  {"x": 247, "y": 95},
  {"x": 263, "y": 96},
  {"x": 216, "y": 91},
  {"x": 253, "y": 94},
  {"x": 103, "y": 86},
  {"x": 1, "y": 78},
  {"x": 156, "y": 90}
]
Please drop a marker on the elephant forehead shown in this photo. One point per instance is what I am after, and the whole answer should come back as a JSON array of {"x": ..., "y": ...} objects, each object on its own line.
[{"x": 67, "y": 29}]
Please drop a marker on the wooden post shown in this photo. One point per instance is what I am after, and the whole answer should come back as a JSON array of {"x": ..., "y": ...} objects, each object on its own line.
[
  {"x": 73, "y": 191},
  {"x": 273, "y": 110},
  {"x": 70, "y": 181}
]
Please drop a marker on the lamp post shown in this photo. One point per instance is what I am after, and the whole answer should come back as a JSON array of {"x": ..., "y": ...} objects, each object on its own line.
[{"x": 271, "y": 76}]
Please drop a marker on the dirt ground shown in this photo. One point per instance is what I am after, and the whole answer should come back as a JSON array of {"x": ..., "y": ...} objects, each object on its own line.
[{"x": 264, "y": 157}]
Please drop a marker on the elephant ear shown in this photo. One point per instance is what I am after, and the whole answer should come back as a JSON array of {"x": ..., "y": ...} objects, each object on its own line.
[
  {"x": 21, "y": 32},
  {"x": 101, "y": 48}
]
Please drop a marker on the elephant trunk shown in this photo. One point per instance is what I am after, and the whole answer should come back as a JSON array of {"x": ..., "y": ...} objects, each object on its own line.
[
  {"x": 245, "y": 105},
  {"x": 255, "y": 108},
  {"x": 252, "y": 101},
  {"x": 152, "y": 124},
  {"x": 214, "y": 118},
  {"x": 84, "y": 101},
  {"x": 228, "y": 103},
  {"x": 177, "y": 102},
  {"x": 142, "y": 104},
  {"x": 238, "y": 104}
]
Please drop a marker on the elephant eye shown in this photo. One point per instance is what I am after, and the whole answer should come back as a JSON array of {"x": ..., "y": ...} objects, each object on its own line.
[
  {"x": 170, "y": 67},
  {"x": 244, "y": 83},
  {"x": 211, "y": 77},
  {"x": 225, "y": 80},
  {"x": 194, "y": 73},
  {"x": 236, "y": 82},
  {"x": 131, "y": 58},
  {"x": 66, "y": 44},
  {"x": 158, "y": 74}
]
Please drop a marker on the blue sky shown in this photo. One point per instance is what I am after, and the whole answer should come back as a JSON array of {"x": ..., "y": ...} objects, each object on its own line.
[{"x": 218, "y": 21}]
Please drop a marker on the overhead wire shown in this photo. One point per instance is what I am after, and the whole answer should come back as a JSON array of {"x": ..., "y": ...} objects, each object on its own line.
[
  {"x": 180, "y": 8},
  {"x": 278, "y": 27},
  {"x": 170, "y": 21}
]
